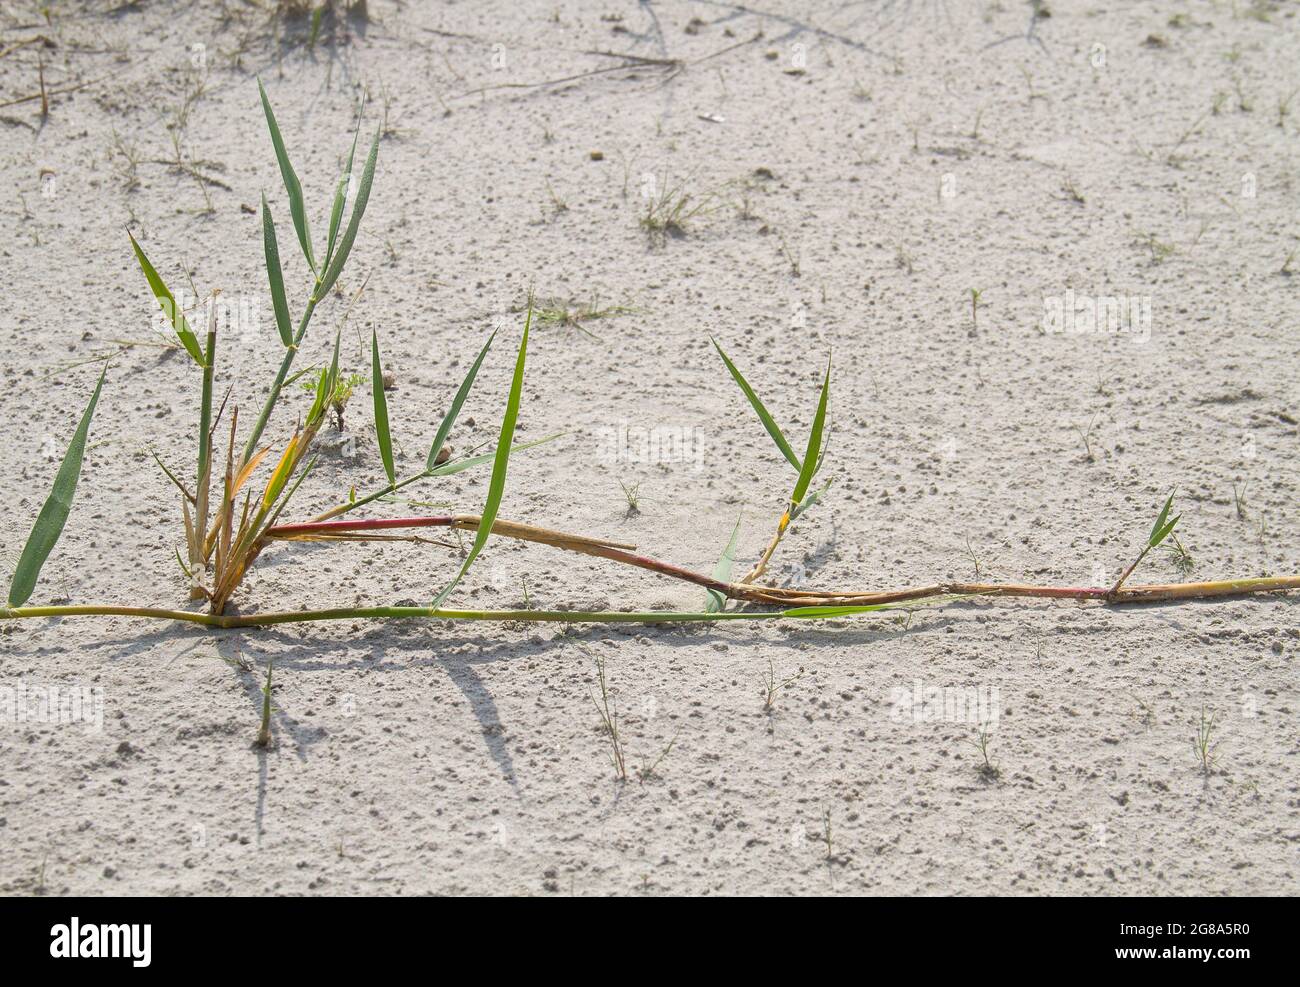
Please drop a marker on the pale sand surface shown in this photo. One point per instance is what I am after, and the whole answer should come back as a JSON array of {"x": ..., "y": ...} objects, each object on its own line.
[{"x": 469, "y": 758}]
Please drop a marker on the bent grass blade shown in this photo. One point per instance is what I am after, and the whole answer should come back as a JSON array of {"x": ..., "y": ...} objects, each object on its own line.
[
  {"x": 54, "y": 515},
  {"x": 457, "y": 402},
  {"x": 497, "y": 485},
  {"x": 291, "y": 184},
  {"x": 1160, "y": 531},
  {"x": 354, "y": 221},
  {"x": 341, "y": 193},
  {"x": 722, "y": 571},
  {"x": 264, "y": 731},
  {"x": 459, "y": 465},
  {"x": 382, "y": 432},
  {"x": 812, "y": 459},
  {"x": 768, "y": 421},
  {"x": 281, "y": 475},
  {"x": 167, "y": 302},
  {"x": 275, "y": 275}
]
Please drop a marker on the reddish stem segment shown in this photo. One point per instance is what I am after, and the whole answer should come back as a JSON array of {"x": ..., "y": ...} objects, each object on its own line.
[{"x": 617, "y": 552}]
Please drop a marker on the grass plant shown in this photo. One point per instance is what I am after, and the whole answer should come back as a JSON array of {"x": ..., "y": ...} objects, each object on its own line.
[
  {"x": 1204, "y": 746},
  {"x": 233, "y": 509}
]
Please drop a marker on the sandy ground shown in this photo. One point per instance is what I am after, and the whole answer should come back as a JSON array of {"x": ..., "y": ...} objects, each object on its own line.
[{"x": 865, "y": 165}]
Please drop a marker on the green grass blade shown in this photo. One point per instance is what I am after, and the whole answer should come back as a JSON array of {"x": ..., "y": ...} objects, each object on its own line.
[
  {"x": 354, "y": 222},
  {"x": 1153, "y": 540},
  {"x": 291, "y": 183},
  {"x": 264, "y": 731},
  {"x": 450, "y": 419},
  {"x": 167, "y": 303},
  {"x": 497, "y": 485},
  {"x": 381, "y": 409},
  {"x": 284, "y": 502},
  {"x": 816, "y": 613},
  {"x": 811, "y": 459},
  {"x": 275, "y": 275},
  {"x": 768, "y": 422},
  {"x": 334, "y": 361},
  {"x": 205, "y": 409},
  {"x": 722, "y": 572},
  {"x": 322, "y": 395},
  {"x": 460, "y": 465},
  {"x": 54, "y": 515},
  {"x": 340, "y": 196},
  {"x": 1158, "y": 536},
  {"x": 181, "y": 562},
  {"x": 810, "y": 501},
  {"x": 172, "y": 476}
]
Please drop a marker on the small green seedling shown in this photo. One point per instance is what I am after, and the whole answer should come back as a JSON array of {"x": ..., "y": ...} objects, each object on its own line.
[
  {"x": 1159, "y": 532},
  {"x": 1160, "y": 251},
  {"x": 1173, "y": 158},
  {"x": 1239, "y": 500},
  {"x": 1204, "y": 746},
  {"x": 670, "y": 209},
  {"x": 558, "y": 204},
  {"x": 1182, "y": 558},
  {"x": 264, "y": 732},
  {"x": 651, "y": 769},
  {"x": 975, "y": 294},
  {"x": 632, "y": 494},
  {"x": 772, "y": 685},
  {"x": 1086, "y": 435},
  {"x": 1284, "y": 108},
  {"x": 801, "y": 499},
  {"x": 609, "y": 723},
  {"x": 792, "y": 256},
  {"x": 988, "y": 771},
  {"x": 1148, "y": 717},
  {"x": 339, "y": 398},
  {"x": 572, "y": 315},
  {"x": 1245, "y": 102}
]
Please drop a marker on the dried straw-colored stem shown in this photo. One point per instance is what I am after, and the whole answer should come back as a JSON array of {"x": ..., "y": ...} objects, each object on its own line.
[{"x": 750, "y": 592}]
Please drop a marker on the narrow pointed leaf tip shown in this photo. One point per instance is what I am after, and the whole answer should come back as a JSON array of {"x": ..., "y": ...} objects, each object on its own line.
[
  {"x": 460, "y": 465},
  {"x": 291, "y": 184},
  {"x": 275, "y": 275},
  {"x": 167, "y": 302},
  {"x": 769, "y": 423},
  {"x": 816, "y": 613},
  {"x": 54, "y": 515},
  {"x": 281, "y": 475},
  {"x": 381, "y": 410},
  {"x": 812, "y": 458},
  {"x": 497, "y": 484},
  {"x": 1160, "y": 530},
  {"x": 354, "y": 222},
  {"x": 449, "y": 420},
  {"x": 341, "y": 195},
  {"x": 715, "y": 601}
]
